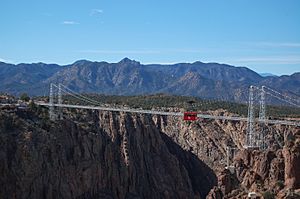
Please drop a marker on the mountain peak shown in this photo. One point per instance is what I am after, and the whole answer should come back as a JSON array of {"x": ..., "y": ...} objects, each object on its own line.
[
  {"x": 82, "y": 61},
  {"x": 267, "y": 75},
  {"x": 126, "y": 60}
]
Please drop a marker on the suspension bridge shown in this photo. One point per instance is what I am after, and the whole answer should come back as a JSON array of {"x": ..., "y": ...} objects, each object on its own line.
[{"x": 253, "y": 138}]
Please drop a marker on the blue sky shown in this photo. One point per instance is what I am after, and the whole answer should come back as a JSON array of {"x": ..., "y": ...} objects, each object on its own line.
[{"x": 263, "y": 35}]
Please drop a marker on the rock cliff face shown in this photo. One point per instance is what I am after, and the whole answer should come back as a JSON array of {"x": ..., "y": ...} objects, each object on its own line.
[
  {"x": 291, "y": 153},
  {"x": 275, "y": 170},
  {"x": 106, "y": 156},
  {"x": 116, "y": 155}
]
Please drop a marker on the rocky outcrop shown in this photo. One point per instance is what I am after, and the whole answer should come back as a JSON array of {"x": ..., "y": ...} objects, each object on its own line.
[
  {"x": 227, "y": 182},
  {"x": 106, "y": 156},
  {"x": 291, "y": 153},
  {"x": 215, "y": 193}
]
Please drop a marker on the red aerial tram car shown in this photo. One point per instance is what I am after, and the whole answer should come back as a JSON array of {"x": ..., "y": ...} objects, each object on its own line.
[{"x": 190, "y": 116}]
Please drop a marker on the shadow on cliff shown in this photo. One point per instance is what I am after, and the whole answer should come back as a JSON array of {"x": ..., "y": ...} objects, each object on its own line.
[{"x": 202, "y": 177}]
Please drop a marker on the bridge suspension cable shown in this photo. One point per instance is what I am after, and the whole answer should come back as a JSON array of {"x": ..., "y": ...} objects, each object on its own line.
[
  {"x": 256, "y": 138},
  {"x": 79, "y": 96},
  {"x": 290, "y": 100},
  {"x": 285, "y": 96},
  {"x": 97, "y": 105}
]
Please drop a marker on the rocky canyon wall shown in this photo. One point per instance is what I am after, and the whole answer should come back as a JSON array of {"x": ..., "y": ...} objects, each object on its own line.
[{"x": 108, "y": 155}]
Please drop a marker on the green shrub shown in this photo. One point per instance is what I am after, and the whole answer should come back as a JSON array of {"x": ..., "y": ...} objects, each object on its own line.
[
  {"x": 24, "y": 97},
  {"x": 268, "y": 195},
  {"x": 280, "y": 184}
]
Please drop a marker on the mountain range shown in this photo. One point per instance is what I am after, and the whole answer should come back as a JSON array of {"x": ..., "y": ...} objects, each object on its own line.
[{"x": 129, "y": 77}]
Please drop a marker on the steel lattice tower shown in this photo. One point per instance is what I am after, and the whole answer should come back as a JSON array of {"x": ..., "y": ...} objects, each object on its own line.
[
  {"x": 59, "y": 102},
  {"x": 250, "y": 139},
  {"x": 51, "y": 102},
  {"x": 262, "y": 118}
]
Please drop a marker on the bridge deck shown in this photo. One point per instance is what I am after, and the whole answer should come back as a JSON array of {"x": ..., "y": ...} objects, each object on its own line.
[{"x": 204, "y": 116}]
